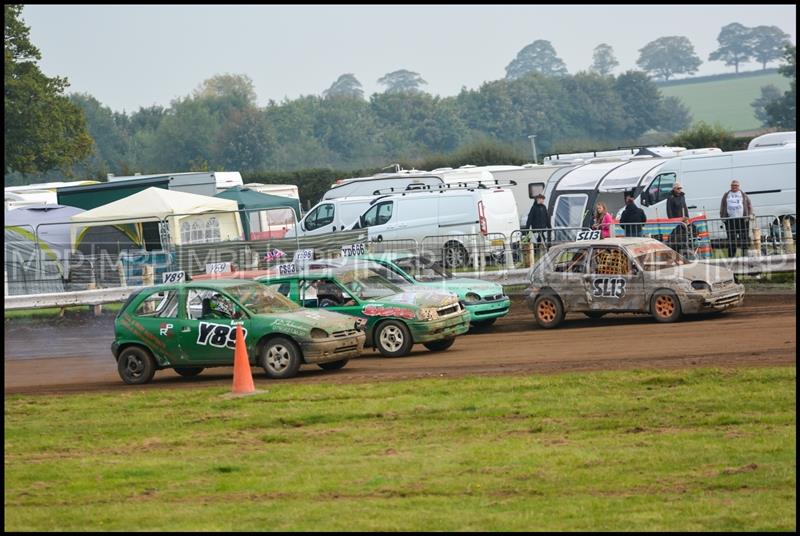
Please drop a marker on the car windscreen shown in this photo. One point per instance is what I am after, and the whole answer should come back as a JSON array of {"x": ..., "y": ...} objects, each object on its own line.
[
  {"x": 656, "y": 256},
  {"x": 366, "y": 282},
  {"x": 260, "y": 299},
  {"x": 423, "y": 269}
]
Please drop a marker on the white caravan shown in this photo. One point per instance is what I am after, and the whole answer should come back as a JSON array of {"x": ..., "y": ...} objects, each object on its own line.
[
  {"x": 766, "y": 175},
  {"x": 463, "y": 220},
  {"x": 331, "y": 215}
]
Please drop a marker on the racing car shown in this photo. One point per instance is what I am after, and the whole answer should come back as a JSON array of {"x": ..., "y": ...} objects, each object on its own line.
[{"x": 624, "y": 275}]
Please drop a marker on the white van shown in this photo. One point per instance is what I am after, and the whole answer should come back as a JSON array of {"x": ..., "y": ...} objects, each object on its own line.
[
  {"x": 329, "y": 216},
  {"x": 460, "y": 218},
  {"x": 397, "y": 181},
  {"x": 766, "y": 175},
  {"x": 773, "y": 139}
]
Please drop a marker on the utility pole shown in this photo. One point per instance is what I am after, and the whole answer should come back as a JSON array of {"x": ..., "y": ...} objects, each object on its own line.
[{"x": 532, "y": 137}]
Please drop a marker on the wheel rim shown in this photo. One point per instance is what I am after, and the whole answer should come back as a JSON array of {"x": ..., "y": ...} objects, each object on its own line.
[
  {"x": 392, "y": 338},
  {"x": 134, "y": 366},
  {"x": 665, "y": 306},
  {"x": 278, "y": 358},
  {"x": 547, "y": 310},
  {"x": 455, "y": 256}
]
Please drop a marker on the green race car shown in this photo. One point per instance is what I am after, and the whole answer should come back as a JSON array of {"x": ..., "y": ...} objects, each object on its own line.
[
  {"x": 484, "y": 301},
  {"x": 192, "y": 326},
  {"x": 397, "y": 317}
]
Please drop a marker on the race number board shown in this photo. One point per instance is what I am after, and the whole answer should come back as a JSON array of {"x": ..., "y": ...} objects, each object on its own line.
[
  {"x": 588, "y": 235},
  {"x": 218, "y": 267},
  {"x": 352, "y": 250},
  {"x": 173, "y": 277}
]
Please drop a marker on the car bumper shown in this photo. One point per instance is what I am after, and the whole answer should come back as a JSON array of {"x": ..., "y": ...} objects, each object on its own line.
[
  {"x": 488, "y": 310},
  {"x": 436, "y": 330},
  {"x": 333, "y": 348},
  {"x": 715, "y": 301}
]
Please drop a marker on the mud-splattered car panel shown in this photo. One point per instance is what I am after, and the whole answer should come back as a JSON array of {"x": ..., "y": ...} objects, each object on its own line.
[{"x": 621, "y": 275}]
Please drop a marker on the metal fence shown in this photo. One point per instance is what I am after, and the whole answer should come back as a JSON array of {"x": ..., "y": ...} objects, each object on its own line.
[{"x": 34, "y": 265}]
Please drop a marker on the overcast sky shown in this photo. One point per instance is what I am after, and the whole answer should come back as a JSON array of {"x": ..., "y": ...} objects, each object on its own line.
[{"x": 131, "y": 56}]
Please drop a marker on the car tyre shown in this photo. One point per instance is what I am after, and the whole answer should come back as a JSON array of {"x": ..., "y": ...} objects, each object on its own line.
[
  {"x": 548, "y": 311},
  {"x": 188, "y": 372},
  {"x": 280, "y": 358},
  {"x": 393, "y": 339},
  {"x": 333, "y": 365},
  {"x": 136, "y": 365},
  {"x": 439, "y": 346},
  {"x": 665, "y": 306}
]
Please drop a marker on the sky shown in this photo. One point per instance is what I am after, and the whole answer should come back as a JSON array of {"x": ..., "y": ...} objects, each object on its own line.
[{"x": 132, "y": 56}]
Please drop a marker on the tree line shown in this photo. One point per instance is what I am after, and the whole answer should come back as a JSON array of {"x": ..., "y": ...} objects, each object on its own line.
[{"x": 219, "y": 126}]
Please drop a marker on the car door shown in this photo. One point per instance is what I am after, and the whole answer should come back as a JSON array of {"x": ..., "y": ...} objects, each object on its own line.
[
  {"x": 158, "y": 316},
  {"x": 614, "y": 281},
  {"x": 566, "y": 277},
  {"x": 206, "y": 337}
]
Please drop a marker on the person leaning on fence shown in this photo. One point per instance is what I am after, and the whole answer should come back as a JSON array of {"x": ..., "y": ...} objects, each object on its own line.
[
  {"x": 737, "y": 209},
  {"x": 602, "y": 220},
  {"x": 539, "y": 219},
  {"x": 632, "y": 217}
]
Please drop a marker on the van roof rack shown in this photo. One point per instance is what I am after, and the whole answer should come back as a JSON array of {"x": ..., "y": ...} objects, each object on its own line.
[{"x": 463, "y": 185}]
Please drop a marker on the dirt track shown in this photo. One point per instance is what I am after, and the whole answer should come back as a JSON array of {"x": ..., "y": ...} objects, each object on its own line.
[{"x": 77, "y": 358}]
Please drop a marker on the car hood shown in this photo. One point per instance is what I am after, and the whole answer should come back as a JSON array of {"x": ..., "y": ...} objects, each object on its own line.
[
  {"x": 305, "y": 319},
  {"x": 461, "y": 286},
  {"x": 419, "y": 298},
  {"x": 698, "y": 271}
]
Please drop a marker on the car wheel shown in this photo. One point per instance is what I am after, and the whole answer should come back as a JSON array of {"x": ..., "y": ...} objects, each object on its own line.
[
  {"x": 664, "y": 306},
  {"x": 136, "y": 365},
  {"x": 280, "y": 358},
  {"x": 548, "y": 311},
  {"x": 438, "y": 346},
  {"x": 455, "y": 255},
  {"x": 595, "y": 314},
  {"x": 393, "y": 339},
  {"x": 333, "y": 365},
  {"x": 188, "y": 372}
]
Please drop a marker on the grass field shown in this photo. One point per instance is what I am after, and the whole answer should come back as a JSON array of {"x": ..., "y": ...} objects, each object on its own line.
[
  {"x": 647, "y": 450},
  {"x": 726, "y": 102}
]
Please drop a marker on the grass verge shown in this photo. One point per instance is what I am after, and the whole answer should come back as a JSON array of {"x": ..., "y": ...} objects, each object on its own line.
[{"x": 644, "y": 450}]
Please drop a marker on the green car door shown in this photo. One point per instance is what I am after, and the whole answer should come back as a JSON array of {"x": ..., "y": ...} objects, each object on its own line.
[{"x": 207, "y": 333}]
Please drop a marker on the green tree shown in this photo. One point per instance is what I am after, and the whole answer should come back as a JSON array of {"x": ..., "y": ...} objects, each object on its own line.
[
  {"x": 768, "y": 44},
  {"x": 642, "y": 98},
  {"x": 347, "y": 85},
  {"x": 537, "y": 57},
  {"x": 734, "y": 45},
  {"x": 43, "y": 129},
  {"x": 674, "y": 115},
  {"x": 236, "y": 87},
  {"x": 703, "y": 134},
  {"x": 769, "y": 94},
  {"x": 782, "y": 113},
  {"x": 109, "y": 130},
  {"x": 402, "y": 81},
  {"x": 667, "y": 56},
  {"x": 603, "y": 59}
]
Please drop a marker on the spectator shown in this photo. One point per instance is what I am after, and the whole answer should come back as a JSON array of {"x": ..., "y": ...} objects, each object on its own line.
[
  {"x": 632, "y": 217},
  {"x": 602, "y": 220},
  {"x": 676, "y": 208},
  {"x": 539, "y": 219},
  {"x": 736, "y": 208},
  {"x": 676, "y": 203}
]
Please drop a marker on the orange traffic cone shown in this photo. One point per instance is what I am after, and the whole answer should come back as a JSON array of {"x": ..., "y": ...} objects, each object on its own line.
[{"x": 242, "y": 376}]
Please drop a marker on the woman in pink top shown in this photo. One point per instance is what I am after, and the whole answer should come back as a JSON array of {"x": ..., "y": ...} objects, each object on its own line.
[{"x": 602, "y": 220}]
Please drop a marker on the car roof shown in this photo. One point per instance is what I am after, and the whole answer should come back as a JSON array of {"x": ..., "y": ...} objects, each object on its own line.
[{"x": 206, "y": 283}]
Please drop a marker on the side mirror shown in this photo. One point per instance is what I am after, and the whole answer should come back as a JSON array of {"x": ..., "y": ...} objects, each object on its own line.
[
  {"x": 645, "y": 198},
  {"x": 334, "y": 228}
]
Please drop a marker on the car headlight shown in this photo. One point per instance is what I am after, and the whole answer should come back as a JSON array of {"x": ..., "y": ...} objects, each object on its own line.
[
  {"x": 701, "y": 285},
  {"x": 427, "y": 313},
  {"x": 471, "y": 297},
  {"x": 317, "y": 333}
]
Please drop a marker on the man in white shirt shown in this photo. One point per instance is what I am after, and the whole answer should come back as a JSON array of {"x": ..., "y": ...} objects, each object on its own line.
[{"x": 736, "y": 208}]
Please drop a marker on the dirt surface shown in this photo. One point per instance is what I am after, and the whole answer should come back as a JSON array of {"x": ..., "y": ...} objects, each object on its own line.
[{"x": 76, "y": 356}]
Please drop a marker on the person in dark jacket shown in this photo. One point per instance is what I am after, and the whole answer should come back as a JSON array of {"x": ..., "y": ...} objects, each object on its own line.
[
  {"x": 676, "y": 208},
  {"x": 676, "y": 203},
  {"x": 538, "y": 219},
  {"x": 632, "y": 217}
]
